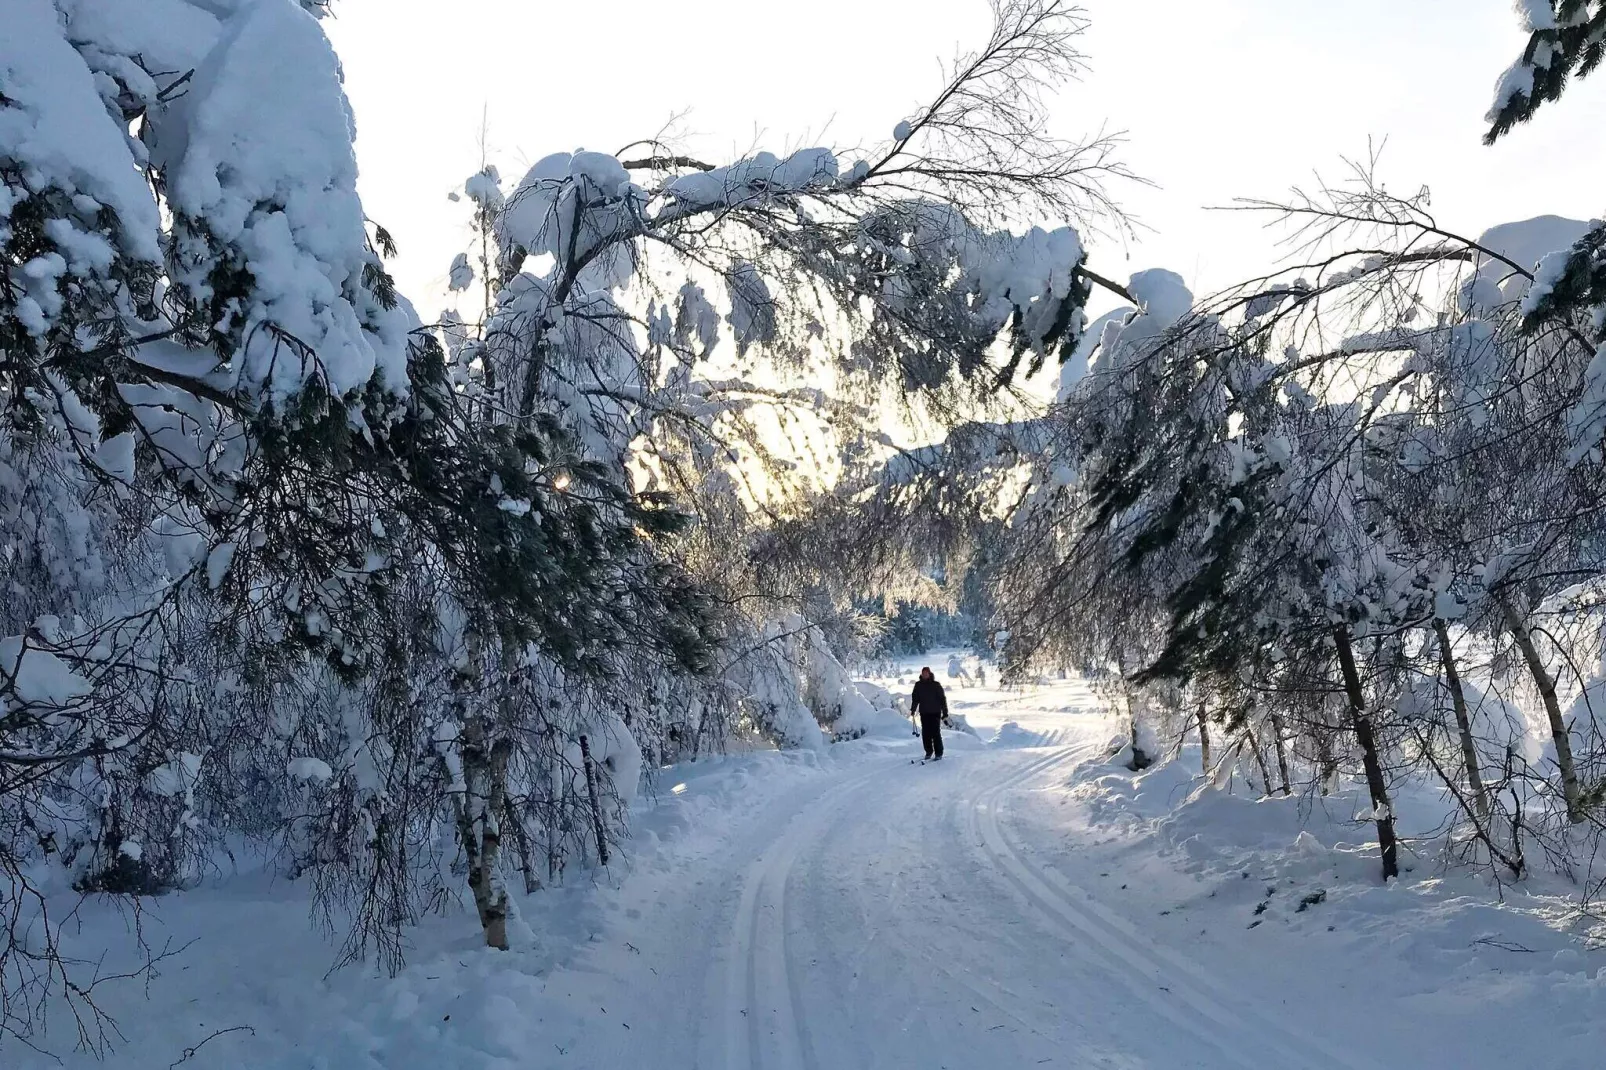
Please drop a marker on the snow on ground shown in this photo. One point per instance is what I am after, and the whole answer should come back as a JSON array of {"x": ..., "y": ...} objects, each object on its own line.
[
  {"x": 1281, "y": 898},
  {"x": 1021, "y": 904}
]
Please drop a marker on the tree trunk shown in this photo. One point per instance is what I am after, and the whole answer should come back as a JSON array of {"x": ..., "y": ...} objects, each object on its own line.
[
  {"x": 479, "y": 826},
  {"x": 1141, "y": 759},
  {"x": 1260, "y": 760},
  {"x": 496, "y": 898},
  {"x": 1511, "y": 859},
  {"x": 484, "y": 797},
  {"x": 1463, "y": 723},
  {"x": 526, "y": 849},
  {"x": 507, "y": 811},
  {"x": 1547, "y": 694},
  {"x": 1282, "y": 752},
  {"x": 1204, "y": 739},
  {"x": 596, "y": 807},
  {"x": 1326, "y": 760},
  {"x": 554, "y": 803},
  {"x": 1361, "y": 722}
]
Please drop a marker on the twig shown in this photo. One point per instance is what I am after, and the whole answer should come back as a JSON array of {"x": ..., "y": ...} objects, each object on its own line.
[
  {"x": 1504, "y": 945},
  {"x": 189, "y": 1053}
]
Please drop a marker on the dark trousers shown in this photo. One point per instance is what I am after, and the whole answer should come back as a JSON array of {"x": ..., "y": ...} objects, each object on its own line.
[{"x": 931, "y": 734}]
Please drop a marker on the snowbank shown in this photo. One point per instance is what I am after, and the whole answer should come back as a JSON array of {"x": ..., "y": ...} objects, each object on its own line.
[
  {"x": 800, "y": 695},
  {"x": 614, "y": 747},
  {"x": 882, "y": 714},
  {"x": 958, "y": 722},
  {"x": 1225, "y": 872},
  {"x": 1011, "y": 734},
  {"x": 455, "y": 1004}
]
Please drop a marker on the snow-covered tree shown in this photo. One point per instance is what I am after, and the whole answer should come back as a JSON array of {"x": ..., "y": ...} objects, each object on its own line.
[
  {"x": 1310, "y": 491},
  {"x": 697, "y": 326},
  {"x": 413, "y": 604},
  {"x": 237, "y": 474},
  {"x": 1566, "y": 40}
]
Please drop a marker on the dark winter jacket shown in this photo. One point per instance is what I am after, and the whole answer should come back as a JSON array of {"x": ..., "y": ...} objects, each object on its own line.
[{"x": 928, "y": 699}]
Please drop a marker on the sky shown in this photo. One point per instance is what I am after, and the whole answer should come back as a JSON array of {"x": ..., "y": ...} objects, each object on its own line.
[{"x": 1217, "y": 100}]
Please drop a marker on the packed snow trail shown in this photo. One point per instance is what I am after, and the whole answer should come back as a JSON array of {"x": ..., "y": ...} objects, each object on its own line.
[
  {"x": 885, "y": 916},
  {"x": 846, "y": 910}
]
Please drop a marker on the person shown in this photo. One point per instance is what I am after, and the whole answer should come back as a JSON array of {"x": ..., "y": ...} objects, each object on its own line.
[{"x": 931, "y": 704}]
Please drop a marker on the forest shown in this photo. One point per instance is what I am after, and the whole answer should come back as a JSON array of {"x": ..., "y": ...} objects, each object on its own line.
[{"x": 414, "y": 608}]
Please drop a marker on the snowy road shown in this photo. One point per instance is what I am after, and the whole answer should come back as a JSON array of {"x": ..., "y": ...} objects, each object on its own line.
[
  {"x": 890, "y": 915},
  {"x": 848, "y": 910}
]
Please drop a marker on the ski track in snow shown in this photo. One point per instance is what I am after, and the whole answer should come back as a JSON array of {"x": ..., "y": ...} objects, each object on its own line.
[
  {"x": 765, "y": 1025},
  {"x": 770, "y": 1002},
  {"x": 1174, "y": 988},
  {"x": 843, "y": 910},
  {"x": 857, "y": 927},
  {"x": 1187, "y": 979}
]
